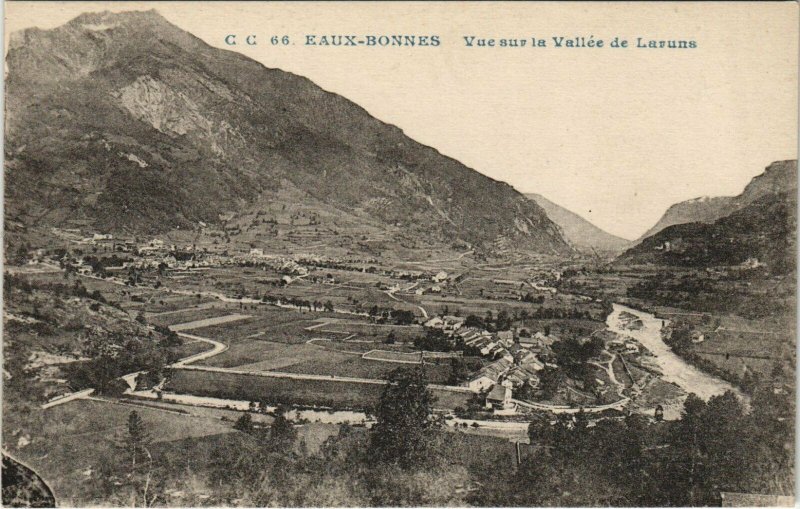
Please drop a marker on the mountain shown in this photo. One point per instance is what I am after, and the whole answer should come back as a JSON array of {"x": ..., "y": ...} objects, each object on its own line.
[
  {"x": 760, "y": 230},
  {"x": 126, "y": 123},
  {"x": 580, "y": 233},
  {"x": 778, "y": 177}
]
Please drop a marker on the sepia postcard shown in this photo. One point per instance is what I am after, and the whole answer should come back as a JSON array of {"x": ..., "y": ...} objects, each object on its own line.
[{"x": 399, "y": 254}]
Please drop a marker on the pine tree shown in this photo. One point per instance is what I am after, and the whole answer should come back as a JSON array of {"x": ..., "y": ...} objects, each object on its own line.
[
  {"x": 137, "y": 440},
  {"x": 404, "y": 419},
  {"x": 281, "y": 433}
]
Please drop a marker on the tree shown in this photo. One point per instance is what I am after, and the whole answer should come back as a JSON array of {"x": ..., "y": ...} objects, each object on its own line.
[
  {"x": 403, "y": 317},
  {"x": 473, "y": 321},
  {"x": 281, "y": 433},
  {"x": 136, "y": 442},
  {"x": 687, "y": 465},
  {"x": 434, "y": 340},
  {"x": 550, "y": 379},
  {"x": 458, "y": 371},
  {"x": 503, "y": 321},
  {"x": 244, "y": 423},
  {"x": 404, "y": 418},
  {"x": 539, "y": 431},
  {"x": 489, "y": 320}
]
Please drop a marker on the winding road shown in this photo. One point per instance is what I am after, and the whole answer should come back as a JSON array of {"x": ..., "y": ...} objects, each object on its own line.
[{"x": 391, "y": 294}]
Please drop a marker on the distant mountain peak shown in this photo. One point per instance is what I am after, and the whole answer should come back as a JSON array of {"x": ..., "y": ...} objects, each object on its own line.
[
  {"x": 89, "y": 42},
  {"x": 107, "y": 19},
  {"x": 579, "y": 232}
]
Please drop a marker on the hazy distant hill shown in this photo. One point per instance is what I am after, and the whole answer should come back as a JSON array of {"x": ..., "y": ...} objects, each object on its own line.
[
  {"x": 762, "y": 228},
  {"x": 778, "y": 177},
  {"x": 580, "y": 233},
  {"x": 128, "y": 123}
]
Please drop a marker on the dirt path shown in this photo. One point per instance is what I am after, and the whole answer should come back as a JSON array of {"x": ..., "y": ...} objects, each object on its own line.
[
  {"x": 206, "y": 305},
  {"x": 217, "y": 349},
  {"x": 609, "y": 368},
  {"x": 208, "y": 322},
  {"x": 422, "y": 309}
]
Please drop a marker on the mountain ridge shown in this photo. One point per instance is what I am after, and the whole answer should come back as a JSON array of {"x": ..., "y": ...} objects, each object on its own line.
[
  {"x": 580, "y": 232},
  {"x": 759, "y": 231},
  {"x": 775, "y": 178},
  {"x": 176, "y": 132}
]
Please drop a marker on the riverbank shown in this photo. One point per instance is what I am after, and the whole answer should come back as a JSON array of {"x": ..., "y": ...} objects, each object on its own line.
[
  {"x": 689, "y": 356},
  {"x": 674, "y": 368}
]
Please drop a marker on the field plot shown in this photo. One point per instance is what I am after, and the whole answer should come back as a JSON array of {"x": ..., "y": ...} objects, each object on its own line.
[
  {"x": 185, "y": 315},
  {"x": 737, "y": 345},
  {"x": 328, "y": 393},
  {"x": 261, "y": 355},
  {"x": 314, "y": 359},
  {"x": 395, "y": 357},
  {"x": 449, "y": 400},
  {"x": 209, "y": 322},
  {"x": 189, "y": 348},
  {"x": 358, "y": 346},
  {"x": 374, "y": 331},
  {"x": 355, "y": 366},
  {"x": 165, "y": 302},
  {"x": 351, "y": 297},
  {"x": 283, "y": 328}
]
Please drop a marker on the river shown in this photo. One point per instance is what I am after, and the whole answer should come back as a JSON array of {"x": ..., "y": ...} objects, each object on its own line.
[{"x": 674, "y": 368}]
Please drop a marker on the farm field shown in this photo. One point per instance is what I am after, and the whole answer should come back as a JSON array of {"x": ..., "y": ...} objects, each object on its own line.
[
  {"x": 286, "y": 328},
  {"x": 210, "y": 322},
  {"x": 373, "y": 331},
  {"x": 189, "y": 315},
  {"x": 164, "y": 302},
  {"x": 262, "y": 355},
  {"x": 737, "y": 345},
  {"x": 275, "y": 390},
  {"x": 359, "y": 346},
  {"x": 315, "y": 359},
  {"x": 358, "y": 367},
  {"x": 355, "y": 291},
  {"x": 189, "y": 348},
  {"x": 327, "y": 393}
]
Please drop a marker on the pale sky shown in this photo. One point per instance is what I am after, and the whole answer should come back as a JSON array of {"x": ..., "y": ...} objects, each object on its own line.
[{"x": 615, "y": 135}]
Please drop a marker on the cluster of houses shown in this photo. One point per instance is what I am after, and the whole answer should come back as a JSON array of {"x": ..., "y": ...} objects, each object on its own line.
[{"x": 516, "y": 360}]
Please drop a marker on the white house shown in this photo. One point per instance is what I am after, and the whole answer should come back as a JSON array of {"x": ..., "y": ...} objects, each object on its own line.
[{"x": 434, "y": 323}]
